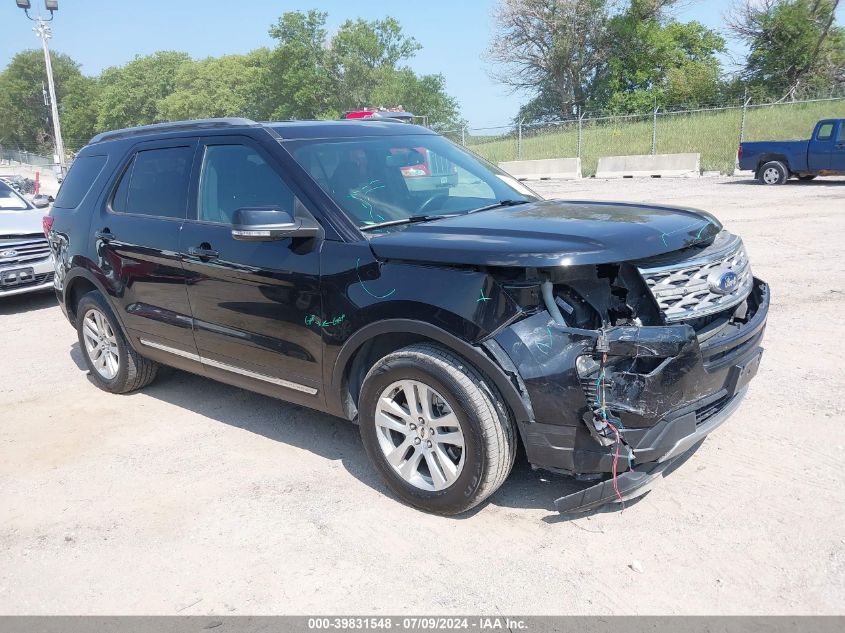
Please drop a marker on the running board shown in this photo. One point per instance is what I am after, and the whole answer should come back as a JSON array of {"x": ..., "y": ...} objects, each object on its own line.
[{"x": 210, "y": 362}]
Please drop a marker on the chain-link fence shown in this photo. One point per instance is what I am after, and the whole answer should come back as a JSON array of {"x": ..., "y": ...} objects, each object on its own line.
[
  {"x": 715, "y": 133},
  {"x": 24, "y": 157}
]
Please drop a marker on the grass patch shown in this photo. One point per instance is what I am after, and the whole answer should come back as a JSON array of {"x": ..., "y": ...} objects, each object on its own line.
[{"x": 714, "y": 134}]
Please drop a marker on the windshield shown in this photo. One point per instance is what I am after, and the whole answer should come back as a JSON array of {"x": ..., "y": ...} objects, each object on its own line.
[
  {"x": 385, "y": 179},
  {"x": 10, "y": 200}
]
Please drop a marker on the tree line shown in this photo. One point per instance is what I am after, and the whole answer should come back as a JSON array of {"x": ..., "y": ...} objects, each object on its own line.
[
  {"x": 306, "y": 74},
  {"x": 622, "y": 57}
]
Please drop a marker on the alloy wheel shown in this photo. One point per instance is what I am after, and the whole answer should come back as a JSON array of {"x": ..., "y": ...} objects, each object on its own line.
[
  {"x": 420, "y": 435},
  {"x": 100, "y": 344}
]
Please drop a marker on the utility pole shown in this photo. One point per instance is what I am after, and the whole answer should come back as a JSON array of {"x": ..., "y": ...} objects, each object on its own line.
[{"x": 44, "y": 32}]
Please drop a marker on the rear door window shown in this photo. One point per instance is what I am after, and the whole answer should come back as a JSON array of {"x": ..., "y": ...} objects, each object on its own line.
[
  {"x": 79, "y": 181},
  {"x": 156, "y": 183}
]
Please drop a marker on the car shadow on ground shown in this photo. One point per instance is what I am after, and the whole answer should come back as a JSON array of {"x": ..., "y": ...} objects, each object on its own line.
[
  {"x": 18, "y": 304},
  {"x": 824, "y": 182},
  {"x": 332, "y": 438}
]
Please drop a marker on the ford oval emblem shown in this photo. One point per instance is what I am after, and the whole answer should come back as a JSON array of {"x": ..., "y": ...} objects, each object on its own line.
[
  {"x": 8, "y": 253},
  {"x": 723, "y": 281}
]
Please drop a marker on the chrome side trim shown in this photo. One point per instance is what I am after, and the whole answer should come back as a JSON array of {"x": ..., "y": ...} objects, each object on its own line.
[
  {"x": 171, "y": 350},
  {"x": 235, "y": 370}
]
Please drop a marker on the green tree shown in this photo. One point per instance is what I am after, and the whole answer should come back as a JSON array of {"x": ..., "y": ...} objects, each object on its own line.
[
  {"x": 424, "y": 95},
  {"x": 795, "y": 46},
  {"x": 130, "y": 94},
  {"x": 79, "y": 110},
  {"x": 231, "y": 85},
  {"x": 299, "y": 84},
  {"x": 25, "y": 119},
  {"x": 364, "y": 56},
  {"x": 601, "y": 54},
  {"x": 657, "y": 61}
]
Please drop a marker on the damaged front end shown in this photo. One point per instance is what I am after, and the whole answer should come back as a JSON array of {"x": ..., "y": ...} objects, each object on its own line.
[{"x": 630, "y": 365}]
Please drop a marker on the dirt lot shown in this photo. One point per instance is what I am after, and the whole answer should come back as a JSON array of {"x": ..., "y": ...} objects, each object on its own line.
[{"x": 193, "y": 497}]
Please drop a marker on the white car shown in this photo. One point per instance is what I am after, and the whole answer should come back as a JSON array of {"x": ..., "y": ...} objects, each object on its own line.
[{"x": 26, "y": 264}]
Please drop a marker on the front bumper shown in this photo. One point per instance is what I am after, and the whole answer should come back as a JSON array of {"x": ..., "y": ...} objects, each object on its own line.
[
  {"x": 40, "y": 279},
  {"x": 667, "y": 388},
  {"x": 639, "y": 480}
]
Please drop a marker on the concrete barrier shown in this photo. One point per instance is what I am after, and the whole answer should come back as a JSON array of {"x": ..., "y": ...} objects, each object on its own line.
[
  {"x": 564, "y": 168},
  {"x": 645, "y": 166}
]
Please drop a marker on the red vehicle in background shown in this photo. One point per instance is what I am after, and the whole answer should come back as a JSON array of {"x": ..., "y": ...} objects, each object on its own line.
[{"x": 434, "y": 172}]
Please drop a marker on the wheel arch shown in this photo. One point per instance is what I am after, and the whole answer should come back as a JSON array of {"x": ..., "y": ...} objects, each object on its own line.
[
  {"x": 767, "y": 158},
  {"x": 76, "y": 285},
  {"x": 372, "y": 342}
]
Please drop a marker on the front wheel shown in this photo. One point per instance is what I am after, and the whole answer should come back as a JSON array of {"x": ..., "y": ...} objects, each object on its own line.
[
  {"x": 434, "y": 430},
  {"x": 773, "y": 173}
]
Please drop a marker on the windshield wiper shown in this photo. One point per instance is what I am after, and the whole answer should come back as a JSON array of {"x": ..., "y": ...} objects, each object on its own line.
[
  {"x": 500, "y": 203},
  {"x": 409, "y": 220}
]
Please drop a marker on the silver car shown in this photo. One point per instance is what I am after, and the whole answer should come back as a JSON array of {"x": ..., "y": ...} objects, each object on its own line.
[{"x": 26, "y": 264}]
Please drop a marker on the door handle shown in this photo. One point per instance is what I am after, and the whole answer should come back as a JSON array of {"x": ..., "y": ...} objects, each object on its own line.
[
  {"x": 203, "y": 251},
  {"x": 104, "y": 234}
]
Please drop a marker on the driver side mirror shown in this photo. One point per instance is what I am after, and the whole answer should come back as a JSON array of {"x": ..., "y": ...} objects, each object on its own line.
[{"x": 270, "y": 223}]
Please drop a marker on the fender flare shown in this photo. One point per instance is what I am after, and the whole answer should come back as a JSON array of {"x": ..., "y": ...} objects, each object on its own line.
[{"x": 519, "y": 404}]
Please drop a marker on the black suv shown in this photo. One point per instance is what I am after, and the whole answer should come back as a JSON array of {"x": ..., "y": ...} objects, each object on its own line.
[{"x": 453, "y": 320}]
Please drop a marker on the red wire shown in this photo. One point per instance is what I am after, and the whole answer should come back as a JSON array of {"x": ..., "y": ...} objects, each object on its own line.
[
  {"x": 618, "y": 442},
  {"x": 615, "y": 465}
]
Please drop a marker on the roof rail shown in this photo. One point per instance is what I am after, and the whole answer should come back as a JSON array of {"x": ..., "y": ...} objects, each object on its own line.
[{"x": 175, "y": 126}]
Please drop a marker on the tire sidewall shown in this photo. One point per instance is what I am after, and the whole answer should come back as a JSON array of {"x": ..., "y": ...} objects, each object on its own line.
[
  {"x": 95, "y": 300},
  {"x": 457, "y": 496}
]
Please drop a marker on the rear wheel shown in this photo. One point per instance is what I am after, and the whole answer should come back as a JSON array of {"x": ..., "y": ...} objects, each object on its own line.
[
  {"x": 115, "y": 367},
  {"x": 434, "y": 430},
  {"x": 773, "y": 173}
]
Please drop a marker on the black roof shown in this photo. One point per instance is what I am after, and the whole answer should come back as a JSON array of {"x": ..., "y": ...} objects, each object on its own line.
[{"x": 281, "y": 129}]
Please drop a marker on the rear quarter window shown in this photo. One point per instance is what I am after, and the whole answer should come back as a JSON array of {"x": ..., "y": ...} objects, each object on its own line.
[{"x": 79, "y": 181}]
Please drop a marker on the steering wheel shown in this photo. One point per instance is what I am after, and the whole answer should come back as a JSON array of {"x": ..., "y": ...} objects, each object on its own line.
[{"x": 428, "y": 205}]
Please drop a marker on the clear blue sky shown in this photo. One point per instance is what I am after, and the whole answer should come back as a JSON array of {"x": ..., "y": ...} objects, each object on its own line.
[{"x": 453, "y": 34}]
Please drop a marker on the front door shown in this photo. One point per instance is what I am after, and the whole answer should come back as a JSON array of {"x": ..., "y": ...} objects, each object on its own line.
[
  {"x": 137, "y": 244},
  {"x": 837, "y": 157},
  {"x": 254, "y": 303},
  {"x": 820, "y": 149}
]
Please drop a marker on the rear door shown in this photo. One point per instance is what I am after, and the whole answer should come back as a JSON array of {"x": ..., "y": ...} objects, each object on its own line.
[
  {"x": 137, "y": 244},
  {"x": 256, "y": 305},
  {"x": 820, "y": 149}
]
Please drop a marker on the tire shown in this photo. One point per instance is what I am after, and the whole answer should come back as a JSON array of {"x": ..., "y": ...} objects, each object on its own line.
[
  {"x": 807, "y": 178},
  {"x": 488, "y": 438},
  {"x": 773, "y": 173},
  {"x": 120, "y": 368}
]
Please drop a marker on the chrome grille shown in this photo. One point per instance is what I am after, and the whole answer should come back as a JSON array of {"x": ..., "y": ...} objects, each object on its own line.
[
  {"x": 682, "y": 289},
  {"x": 22, "y": 250}
]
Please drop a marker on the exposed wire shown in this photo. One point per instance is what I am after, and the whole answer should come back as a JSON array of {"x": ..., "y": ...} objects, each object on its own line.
[{"x": 601, "y": 402}]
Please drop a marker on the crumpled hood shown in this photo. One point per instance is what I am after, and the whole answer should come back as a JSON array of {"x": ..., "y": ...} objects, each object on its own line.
[
  {"x": 549, "y": 233},
  {"x": 21, "y": 221}
]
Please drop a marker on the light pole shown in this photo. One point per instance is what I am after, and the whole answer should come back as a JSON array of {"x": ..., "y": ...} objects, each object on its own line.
[{"x": 43, "y": 31}]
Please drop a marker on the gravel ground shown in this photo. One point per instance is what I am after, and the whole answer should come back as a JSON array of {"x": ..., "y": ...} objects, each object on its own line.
[{"x": 193, "y": 497}]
